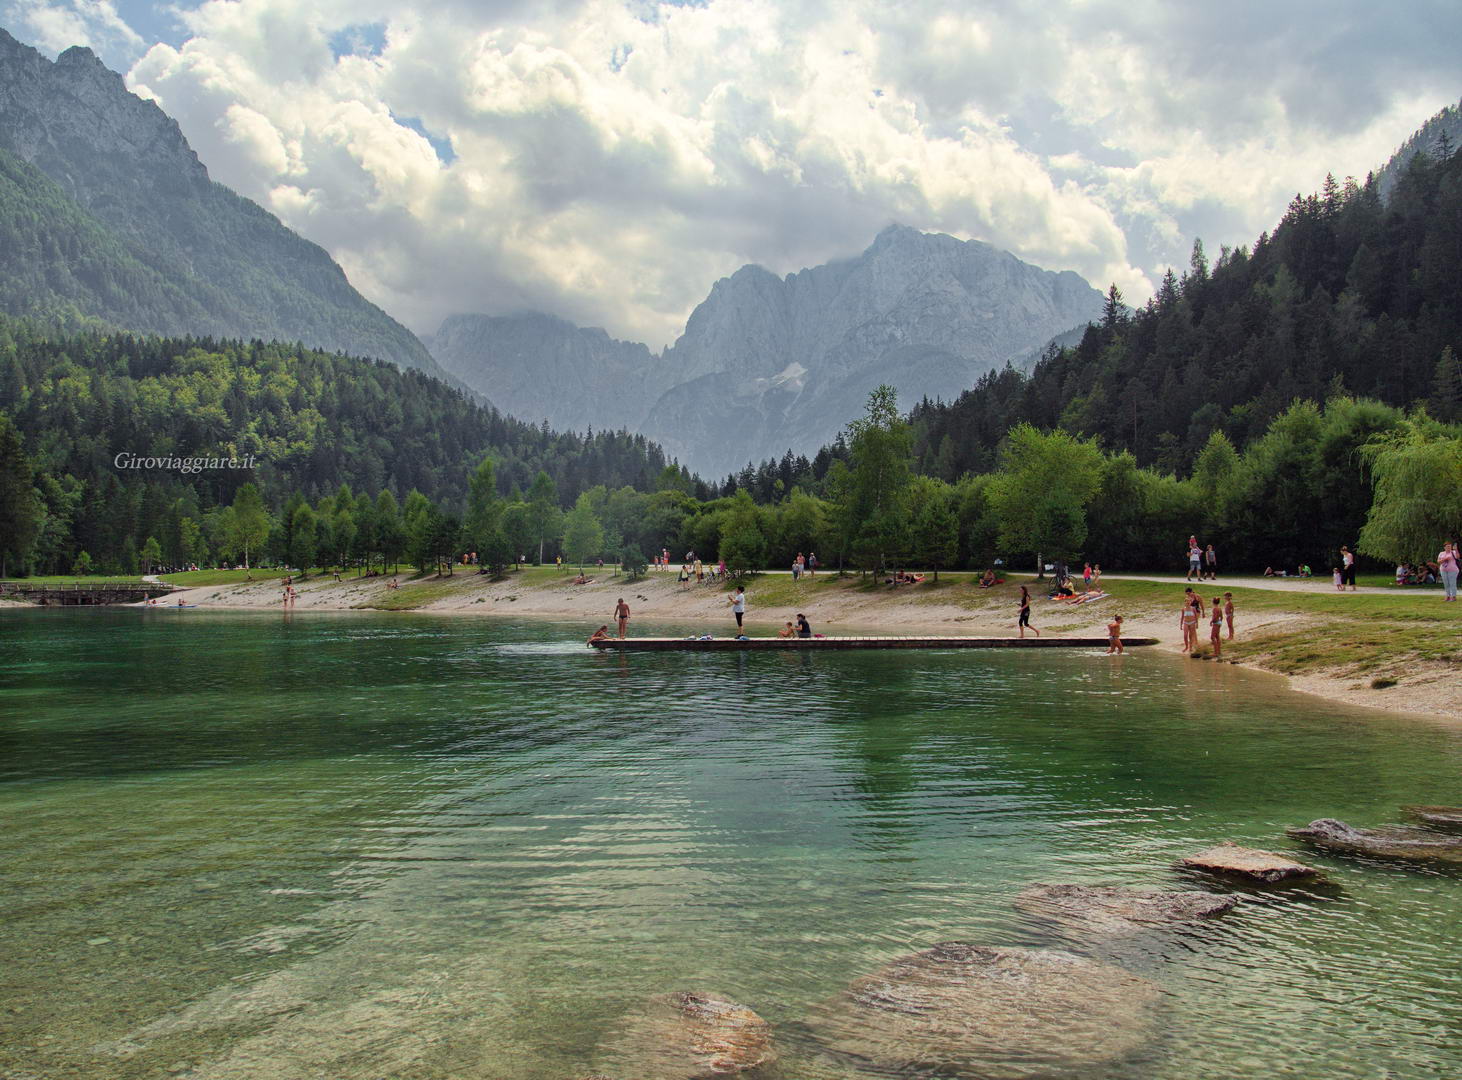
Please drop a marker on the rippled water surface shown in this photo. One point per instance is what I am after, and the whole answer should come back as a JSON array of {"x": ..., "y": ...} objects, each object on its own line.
[{"x": 396, "y": 846}]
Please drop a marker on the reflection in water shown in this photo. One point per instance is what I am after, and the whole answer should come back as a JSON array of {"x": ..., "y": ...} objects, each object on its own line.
[{"x": 363, "y": 846}]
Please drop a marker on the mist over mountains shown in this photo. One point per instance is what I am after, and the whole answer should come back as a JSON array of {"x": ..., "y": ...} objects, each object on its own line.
[
  {"x": 767, "y": 363},
  {"x": 106, "y": 213}
]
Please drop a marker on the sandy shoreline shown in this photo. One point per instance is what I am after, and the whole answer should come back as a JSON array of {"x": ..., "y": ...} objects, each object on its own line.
[{"x": 773, "y": 601}]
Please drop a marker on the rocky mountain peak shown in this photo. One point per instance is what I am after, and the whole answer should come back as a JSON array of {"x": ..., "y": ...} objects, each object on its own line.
[{"x": 766, "y": 363}]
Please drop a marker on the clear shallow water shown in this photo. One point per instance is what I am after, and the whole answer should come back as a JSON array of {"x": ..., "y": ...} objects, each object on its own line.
[{"x": 368, "y": 846}]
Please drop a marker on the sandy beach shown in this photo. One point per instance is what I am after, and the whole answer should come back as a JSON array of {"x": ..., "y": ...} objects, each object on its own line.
[{"x": 834, "y": 606}]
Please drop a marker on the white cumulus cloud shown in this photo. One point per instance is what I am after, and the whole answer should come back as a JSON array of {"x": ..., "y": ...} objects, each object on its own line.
[{"x": 607, "y": 160}]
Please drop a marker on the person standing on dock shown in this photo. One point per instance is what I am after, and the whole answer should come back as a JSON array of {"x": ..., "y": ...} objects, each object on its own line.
[
  {"x": 738, "y": 606},
  {"x": 621, "y": 612},
  {"x": 1025, "y": 613}
]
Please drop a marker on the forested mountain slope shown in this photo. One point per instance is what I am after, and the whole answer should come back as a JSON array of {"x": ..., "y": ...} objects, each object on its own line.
[
  {"x": 106, "y": 212},
  {"x": 312, "y": 420},
  {"x": 1350, "y": 293}
]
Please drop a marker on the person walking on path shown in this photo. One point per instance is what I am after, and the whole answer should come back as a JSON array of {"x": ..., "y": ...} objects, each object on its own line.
[
  {"x": 1228, "y": 613},
  {"x": 1195, "y": 560},
  {"x": 738, "y": 606},
  {"x": 1347, "y": 567},
  {"x": 1210, "y": 563},
  {"x": 621, "y": 612},
  {"x": 1025, "y": 613},
  {"x": 1447, "y": 562},
  {"x": 1215, "y": 625}
]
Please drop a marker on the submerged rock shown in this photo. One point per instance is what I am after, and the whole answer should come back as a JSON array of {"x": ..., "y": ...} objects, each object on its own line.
[
  {"x": 690, "y": 1036},
  {"x": 1386, "y": 843},
  {"x": 1229, "y": 858},
  {"x": 1436, "y": 817},
  {"x": 1117, "y": 909},
  {"x": 993, "y": 1013}
]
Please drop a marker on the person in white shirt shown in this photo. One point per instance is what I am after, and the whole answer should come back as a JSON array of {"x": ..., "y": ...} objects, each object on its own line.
[{"x": 738, "y": 605}]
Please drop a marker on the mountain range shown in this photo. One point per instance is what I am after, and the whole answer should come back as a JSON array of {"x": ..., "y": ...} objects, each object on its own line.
[
  {"x": 107, "y": 214},
  {"x": 769, "y": 363}
]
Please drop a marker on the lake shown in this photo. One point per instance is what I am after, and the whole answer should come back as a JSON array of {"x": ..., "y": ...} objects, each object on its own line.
[{"x": 399, "y": 846}]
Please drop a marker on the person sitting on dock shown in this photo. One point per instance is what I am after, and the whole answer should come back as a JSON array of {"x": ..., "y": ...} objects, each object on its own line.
[
  {"x": 804, "y": 628},
  {"x": 788, "y": 631},
  {"x": 602, "y": 634}
]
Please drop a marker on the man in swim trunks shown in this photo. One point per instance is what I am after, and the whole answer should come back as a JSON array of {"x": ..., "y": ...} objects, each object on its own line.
[{"x": 621, "y": 612}]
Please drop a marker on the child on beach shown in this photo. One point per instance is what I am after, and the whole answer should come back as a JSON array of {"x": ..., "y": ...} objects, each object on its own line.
[
  {"x": 1215, "y": 624},
  {"x": 1114, "y": 636},
  {"x": 1228, "y": 613}
]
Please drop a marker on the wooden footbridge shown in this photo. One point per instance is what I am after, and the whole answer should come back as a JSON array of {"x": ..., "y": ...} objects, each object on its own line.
[
  {"x": 83, "y": 594},
  {"x": 723, "y": 644}
]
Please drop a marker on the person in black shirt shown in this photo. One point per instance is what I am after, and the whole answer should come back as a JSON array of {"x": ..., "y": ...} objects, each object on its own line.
[{"x": 804, "y": 628}]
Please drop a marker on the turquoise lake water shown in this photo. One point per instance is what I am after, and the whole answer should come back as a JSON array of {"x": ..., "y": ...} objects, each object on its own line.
[{"x": 397, "y": 846}]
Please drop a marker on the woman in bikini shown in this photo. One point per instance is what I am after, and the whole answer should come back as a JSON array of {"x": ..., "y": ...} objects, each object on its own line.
[
  {"x": 1215, "y": 627},
  {"x": 1114, "y": 636},
  {"x": 1189, "y": 622}
]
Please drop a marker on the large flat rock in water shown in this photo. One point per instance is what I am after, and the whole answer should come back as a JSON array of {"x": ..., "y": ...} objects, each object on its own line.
[
  {"x": 1231, "y": 859},
  {"x": 1436, "y": 817},
  {"x": 1113, "y": 910},
  {"x": 1384, "y": 843},
  {"x": 992, "y": 1013},
  {"x": 690, "y": 1036}
]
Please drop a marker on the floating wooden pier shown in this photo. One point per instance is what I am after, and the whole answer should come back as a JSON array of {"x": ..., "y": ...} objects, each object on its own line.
[{"x": 799, "y": 644}]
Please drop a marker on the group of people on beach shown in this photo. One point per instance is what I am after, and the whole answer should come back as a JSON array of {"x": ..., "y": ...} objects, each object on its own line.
[
  {"x": 1192, "y": 614},
  {"x": 1444, "y": 570}
]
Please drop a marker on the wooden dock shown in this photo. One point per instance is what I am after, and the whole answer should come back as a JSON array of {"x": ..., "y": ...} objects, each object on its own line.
[
  {"x": 799, "y": 644},
  {"x": 88, "y": 594}
]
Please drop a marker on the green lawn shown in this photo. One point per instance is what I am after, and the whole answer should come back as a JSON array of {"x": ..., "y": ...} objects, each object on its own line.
[{"x": 191, "y": 579}]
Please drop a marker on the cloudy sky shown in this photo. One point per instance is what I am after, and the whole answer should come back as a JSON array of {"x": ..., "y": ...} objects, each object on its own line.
[{"x": 607, "y": 160}]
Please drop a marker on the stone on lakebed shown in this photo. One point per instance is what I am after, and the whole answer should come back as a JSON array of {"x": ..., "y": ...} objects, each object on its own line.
[
  {"x": 1384, "y": 843},
  {"x": 691, "y": 1036},
  {"x": 1436, "y": 817},
  {"x": 994, "y": 1013},
  {"x": 1118, "y": 909},
  {"x": 1230, "y": 858}
]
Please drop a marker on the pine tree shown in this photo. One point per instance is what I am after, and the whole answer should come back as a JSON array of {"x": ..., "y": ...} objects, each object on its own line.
[
  {"x": 20, "y": 509},
  {"x": 1445, "y": 402}
]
